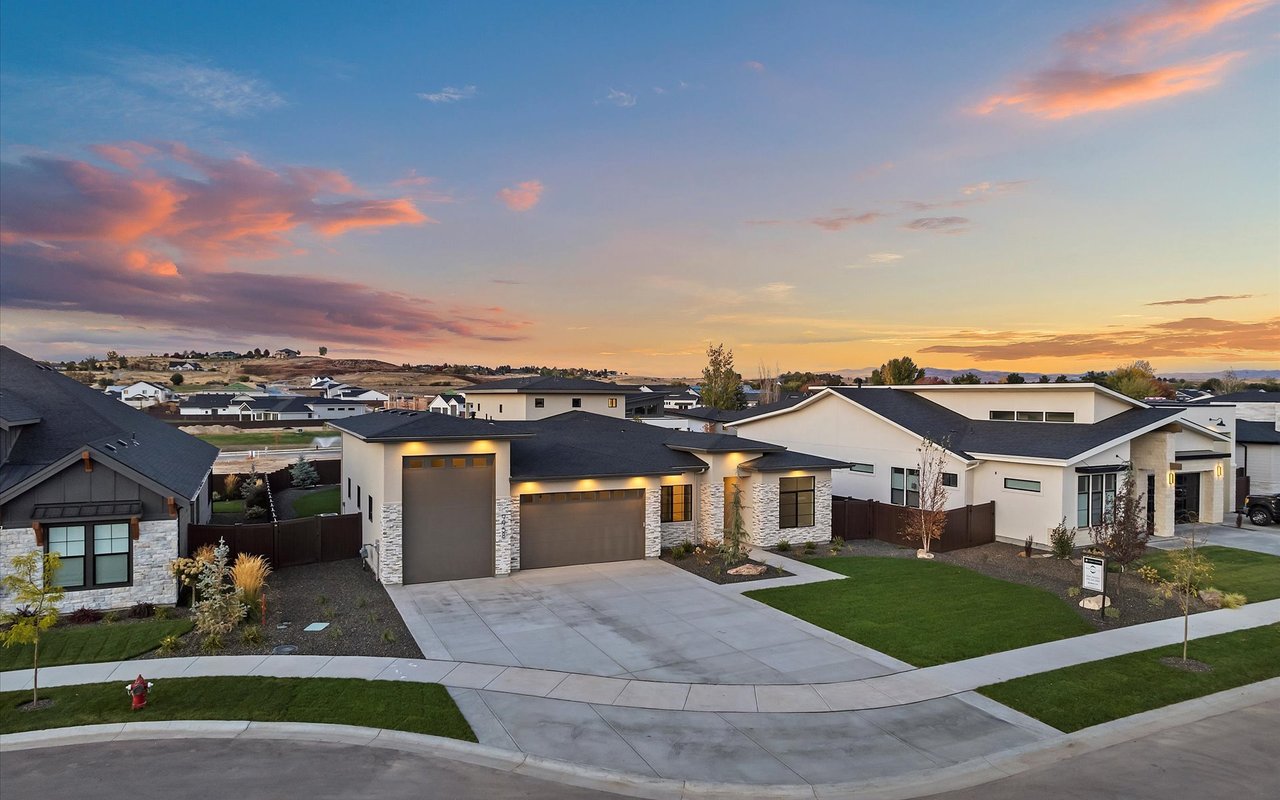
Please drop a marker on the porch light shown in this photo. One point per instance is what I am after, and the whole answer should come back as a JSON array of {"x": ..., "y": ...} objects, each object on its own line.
[
  {"x": 1172, "y": 480},
  {"x": 1217, "y": 470}
]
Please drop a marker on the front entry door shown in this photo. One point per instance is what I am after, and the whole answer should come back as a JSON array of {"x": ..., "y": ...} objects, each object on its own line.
[{"x": 1186, "y": 497}]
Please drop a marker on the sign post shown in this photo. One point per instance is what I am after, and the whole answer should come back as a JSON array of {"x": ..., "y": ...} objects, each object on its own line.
[{"x": 1095, "y": 579}]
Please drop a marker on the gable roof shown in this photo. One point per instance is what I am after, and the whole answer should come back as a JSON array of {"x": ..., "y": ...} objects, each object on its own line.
[
  {"x": 548, "y": 383},
  {"x": 73, "y": 417},
  {"x": 1250, "y": 432}
]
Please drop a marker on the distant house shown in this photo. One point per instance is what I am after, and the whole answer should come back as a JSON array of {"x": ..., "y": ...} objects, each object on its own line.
[
  {"x": 453, "y": 404},
  {"x": 676, "y": 397},
  {"x": 185, "y": 366},
  {"x": 358, "y": 394},
  {"x": 1256, "y": 416},
  {"x": 263, "y": 406},
  {"x": 145, "y": 394},
  {"x": 107, "y": 487},
  {"x": 225, "y": 354},
  {"x": 286, "y": 352},
  {"x": 1190, "y": 395},
  {"x": 540, "y": 397}
]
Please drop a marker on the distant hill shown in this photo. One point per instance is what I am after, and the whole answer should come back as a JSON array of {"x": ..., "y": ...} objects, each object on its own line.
[{"x": 1033, "y": 374}]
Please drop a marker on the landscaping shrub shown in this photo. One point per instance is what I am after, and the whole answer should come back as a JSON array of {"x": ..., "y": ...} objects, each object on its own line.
[
  {"x": 1233, "y": 600},
  {"x": 218, "y": 610},
  {"x": 784, "y": 546},
  {"x": 231, "y": 484},
  {"x": 161, "y": 612},
  {"x": 249, "y": 575},
  {"x": 255, "y": 512},
  {"x": 170, "y": 644},
  {"x": 84, "y": 616},
  {"x": 252, "y": 636},
  {"x": 303, "y": 474},
  {"x": 1062, "y": 540},
  {"x": 1149, "y": 574},
  {"x": 142, "y": 610}
]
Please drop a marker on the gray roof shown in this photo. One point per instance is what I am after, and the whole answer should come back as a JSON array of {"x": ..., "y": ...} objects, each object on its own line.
[
  {"x": 1252, "y": 396},
  {"x": 397, "y": 425},
  {"x": 1250, "y": 432},
  {"x": 15, "y": 412},
  {"x": 788, "y": 460},
  {"x": 1049, "y": 440},
  {"x": 548, "y": 384},
  {"x": 766, "y": 408},
  {"x": 74, "y": 416}
]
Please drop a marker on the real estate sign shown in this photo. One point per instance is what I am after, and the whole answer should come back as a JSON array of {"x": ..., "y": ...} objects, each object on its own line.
[{"x": 1095, "y": 574}]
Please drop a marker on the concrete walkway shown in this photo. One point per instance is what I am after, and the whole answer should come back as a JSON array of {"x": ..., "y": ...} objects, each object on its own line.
[
  {"x": 910, "y": 685},
  {"x": 1249, "y": 537}
]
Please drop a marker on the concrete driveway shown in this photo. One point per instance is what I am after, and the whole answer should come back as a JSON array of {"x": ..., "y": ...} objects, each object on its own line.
[
  {"x": 638, "y": 619},
  {"x": 1249, "y": 537}
]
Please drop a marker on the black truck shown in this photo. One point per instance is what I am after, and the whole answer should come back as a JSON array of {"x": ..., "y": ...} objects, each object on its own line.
[{"x": 1263, "y": 509}]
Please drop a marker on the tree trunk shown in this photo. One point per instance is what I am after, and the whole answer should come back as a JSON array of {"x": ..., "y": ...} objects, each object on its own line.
[
  {"x": 1186, "y": 623},
  {"x": 35, "y": 671}
]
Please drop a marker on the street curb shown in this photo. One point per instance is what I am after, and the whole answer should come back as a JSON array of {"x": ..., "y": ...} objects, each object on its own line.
[{"x": 958, "y": 776}]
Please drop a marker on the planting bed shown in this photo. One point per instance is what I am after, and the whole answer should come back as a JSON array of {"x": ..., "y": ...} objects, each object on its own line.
[{"x": 709, "y": 564}]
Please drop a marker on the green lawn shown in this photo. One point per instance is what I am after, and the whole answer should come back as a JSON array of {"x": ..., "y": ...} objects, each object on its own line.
[
  {"x": 1089, "y": 694},
  {"x": 260, "y": 437},
  {"x": 228, "y": 506},
  {"x": 925, "y": 612},
  {"x": 325, "y": 501},
  {"x": 1255, "y": 575},
  {"x": 81, "y": 644},
  {"x": 400, "y": 705}
]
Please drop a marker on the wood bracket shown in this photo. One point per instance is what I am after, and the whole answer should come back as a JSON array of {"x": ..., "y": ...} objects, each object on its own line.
[
  {"x": 173, "y": 507},
  {"x": 39, "y": 529},
  {"x": 88, "y": 462},
  {"x": 134, "y": 531}
]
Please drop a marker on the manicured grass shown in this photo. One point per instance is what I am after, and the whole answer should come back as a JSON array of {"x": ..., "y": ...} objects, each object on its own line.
[
  {"x": 228, "y": 506},
  {"x": 400, "y": 705},
  {"x": 81, "y": 644},
  {"x": 259, "y": 437},
  {"x": 1255, "y": 575},
  {"x": 1089, "y": 694},
  {"x": 325, "y": 501},
  {"x": 924, "y": 612}
]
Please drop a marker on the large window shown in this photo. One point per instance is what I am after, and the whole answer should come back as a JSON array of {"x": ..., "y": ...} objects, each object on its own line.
[
  {"x": 795, "y": 503},
  {"x": 677, "y": 503},
  {"x": 904, "y": 487},
  {"x": 93, "y": 554},
  {"x": 1095, "y": 497},
  {"x": 1022, "y": 485}
]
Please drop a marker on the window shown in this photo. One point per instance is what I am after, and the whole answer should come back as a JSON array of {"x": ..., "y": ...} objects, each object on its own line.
[
  {"x": 904, "y": 487},
  {"x": 539, "y": 402},
  {"x": 359, "y": 498},
  {"x": 1021, "y": 485},
  {"x": 1030, "y": 416},
  {"x": 499, "y": 408},
  {"x": 371, "y": 508},
  {"x": 576, "y": 402},
  {"x": 348, "y": 488},
  {"x": 869, "y": 469},
  {"x": 93, "y": 555},
  {"x": 1002, "y": 415},
  {"x": 677, "y": 503},
  {"x": 1095, "y": 497},
  {"x": 1059, "y": 416},
  {"x": 950, "y": 479},
  {"x": 613, "y": 402},
  {"x": 1033, "y": 416},
  {"x": 795, "y": 503}
]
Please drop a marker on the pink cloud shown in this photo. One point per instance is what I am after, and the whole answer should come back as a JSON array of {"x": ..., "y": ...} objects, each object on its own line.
[
  {"x": 1172, "y": 22},
  {"x": 523, "y": 196},
  {"x": 754, "y": 66},
  {"x": 846, "y": 220}
]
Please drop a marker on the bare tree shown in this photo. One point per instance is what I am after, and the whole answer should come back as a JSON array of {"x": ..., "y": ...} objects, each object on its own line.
[
  {"x": 929, "y": 521},
  {"x": 1123, "y": 535},
  {"x": 770, "y": 386}
]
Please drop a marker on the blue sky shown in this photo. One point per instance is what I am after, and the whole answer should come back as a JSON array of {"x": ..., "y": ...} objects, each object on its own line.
[{"x": 818, "y": 185}]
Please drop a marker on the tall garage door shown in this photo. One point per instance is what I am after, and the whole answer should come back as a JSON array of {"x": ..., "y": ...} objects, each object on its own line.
[
  {"x": 565, "y": 528},
  {"x": 448, "y": 517}
]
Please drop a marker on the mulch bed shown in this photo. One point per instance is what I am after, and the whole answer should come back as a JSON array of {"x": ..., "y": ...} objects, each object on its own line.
[
  {"x": 362, "y": 619},
  {"x": 713, "y": 567},
  {"x": 1131, "y": 596},
  {"x": 1190, "y": 665}
]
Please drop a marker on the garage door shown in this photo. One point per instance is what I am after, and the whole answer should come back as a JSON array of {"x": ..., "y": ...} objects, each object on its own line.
[
  {"x": 448, "y": 517},
  {"x": 564, "y": 528}
]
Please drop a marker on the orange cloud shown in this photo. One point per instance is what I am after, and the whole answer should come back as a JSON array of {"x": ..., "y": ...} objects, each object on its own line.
[
  {"x": 523, "y": 196},
  {"x": 1059, "y": 94},
  {"x": 1169, "y": 24},
  {"x": 144, "y": 262}
]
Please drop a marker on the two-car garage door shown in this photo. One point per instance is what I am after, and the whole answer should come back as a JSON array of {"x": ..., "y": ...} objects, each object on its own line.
[{"x": 562, "y": 528}]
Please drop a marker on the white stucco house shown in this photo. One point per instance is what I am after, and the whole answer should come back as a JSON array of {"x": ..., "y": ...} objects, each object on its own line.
[
  {"x": 453, "y": 404},
  {"x": 144, "y": 394},
  {"x": 534, "y": 480},
  {"x": 1257, "y": 436},
  {"x": 1042, "y": 452}
]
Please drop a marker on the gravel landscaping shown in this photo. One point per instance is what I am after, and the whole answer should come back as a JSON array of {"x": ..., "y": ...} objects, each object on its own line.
[
  {"x": 362, "y": 621},
  {"x": 712, "y": 566}
]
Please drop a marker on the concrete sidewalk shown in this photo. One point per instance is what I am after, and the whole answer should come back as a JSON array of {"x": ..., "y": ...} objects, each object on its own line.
[{"x": 900, "y": 688}]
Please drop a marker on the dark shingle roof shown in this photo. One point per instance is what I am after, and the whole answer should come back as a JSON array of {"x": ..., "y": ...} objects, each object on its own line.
[
  {"x": 778, "y": 462},
  {"x": 1250, "y": 432},
  {"x": 74, "y": 416},
  {"x": 547, "y": 384},
  {"x": 398, "y": 425},
  {"x": 1050, "y": 440},
  {"x": 578, "y": 444},
  {"x": 704, "y": 412},
  {"x": 767, "y": 408},
  {"x": 15, "y": 412},
  {"x": 1253, "y": 396}
]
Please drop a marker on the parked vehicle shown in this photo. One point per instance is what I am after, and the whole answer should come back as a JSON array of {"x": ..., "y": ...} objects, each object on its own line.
[{"x": 1263, "y": 509}]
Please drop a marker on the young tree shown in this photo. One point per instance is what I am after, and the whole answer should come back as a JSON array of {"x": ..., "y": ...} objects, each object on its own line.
[
  {"x": 897, "y": 372},
  {"x": 30, "y": 583},
  {"x": 733, "y": 545},
  {"x": 1123, "y": 535},
  {"x": 770, "y": 385},
  {"x": 324, "y": 351},
  {"x": 721, "y": 384},
  {"x": 176, "y": 379},
  {"x": 929, "y": 521},
  {"x": 1188, "y": 571},
  {"x": 303, "y": 474}
]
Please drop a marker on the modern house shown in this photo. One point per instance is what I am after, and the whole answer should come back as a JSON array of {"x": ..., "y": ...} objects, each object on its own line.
[
  {"x": 265, "y": 406},
  {"x": 285, "y": 352},
  {"x": 144, "y": 394},
  {"x": 444, "y": 498},
  {"x": 1257, "y": 426},
  {"x": 676, "y": 397},
  {"x": 106, "y": 486},
  {"x": 453, "y": 404},
  {"x": 1043, "y": 452},
  {"x": 539, "y": 397},
  {"x": 185, "y": 366}
]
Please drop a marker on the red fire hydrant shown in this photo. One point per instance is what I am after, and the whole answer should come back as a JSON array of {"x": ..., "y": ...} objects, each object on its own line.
[{"x": 138, "y": 691}]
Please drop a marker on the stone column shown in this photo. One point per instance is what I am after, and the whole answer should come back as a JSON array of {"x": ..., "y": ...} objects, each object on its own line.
[
  {"x": 1153, "y": 453},
  {"x": 652, "y": 522},
  {"x": 506, "y": 531},
  {"x": 391, "y": 545},
  {"x": 710, "y": 516}
]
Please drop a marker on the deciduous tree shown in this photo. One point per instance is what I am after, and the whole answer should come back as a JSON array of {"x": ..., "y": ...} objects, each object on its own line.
[
  {"x": 1123, "y": 535},
  {"x": 30, "y": 584},
  {"x": 1188, "y": 571},
  {"x": 721, "y": 383},
  {"x": 928, "y": 522},
  {"x": 897, "y": 372}
]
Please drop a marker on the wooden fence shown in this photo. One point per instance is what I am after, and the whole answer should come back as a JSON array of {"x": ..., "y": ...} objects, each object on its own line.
[
  {"x": 868, "y": 519},
  {"x": 309, "y": 540}
]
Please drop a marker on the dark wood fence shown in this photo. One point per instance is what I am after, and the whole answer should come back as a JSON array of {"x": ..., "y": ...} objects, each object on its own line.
[
  {"x": 1242, "y": 489},
  {"x": 286, "y": 544},
  {"x": 868, "y": 519}
]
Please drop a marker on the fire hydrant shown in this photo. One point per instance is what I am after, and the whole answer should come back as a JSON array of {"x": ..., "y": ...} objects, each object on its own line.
[{"x": 138, "y": 691}]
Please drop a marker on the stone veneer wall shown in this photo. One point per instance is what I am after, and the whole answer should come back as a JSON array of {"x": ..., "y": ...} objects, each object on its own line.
[
  {"x": 652, "y": 522},
  {"x": 764, "y": 530},
  {"x": 391, "y": 545},
  {"x": 155, "y": 547},
  {"x": 674, "y": 533},
  {"x": 709, "y": 519},
  {"x": 1152, "y": 453},
  {"x": 506, "y": 548}
]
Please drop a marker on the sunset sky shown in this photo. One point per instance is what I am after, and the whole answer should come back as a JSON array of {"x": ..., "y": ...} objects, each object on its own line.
[{"x": 1030, "y": 186}]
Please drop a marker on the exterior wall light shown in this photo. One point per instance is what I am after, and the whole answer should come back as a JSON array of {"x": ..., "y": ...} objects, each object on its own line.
[
  {"x": 1217, "y": 470},
  {"x": 1172, "y": 478}
]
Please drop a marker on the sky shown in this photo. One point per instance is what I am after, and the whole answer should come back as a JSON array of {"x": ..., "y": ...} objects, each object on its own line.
[{"x": 999, "y": 185}]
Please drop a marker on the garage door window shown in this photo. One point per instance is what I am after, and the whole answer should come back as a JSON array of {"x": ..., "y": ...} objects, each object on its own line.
[
  {"x": 677, "y": 503},
  {"x": 795, "y": 503},
  {"x": 570, "y": 497}
]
